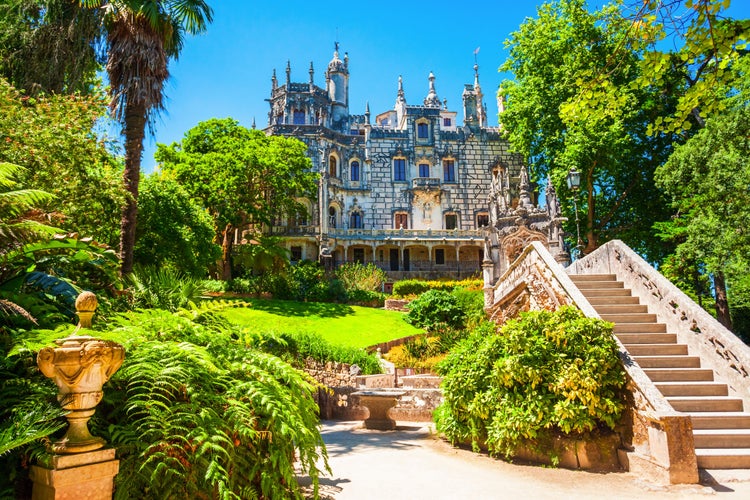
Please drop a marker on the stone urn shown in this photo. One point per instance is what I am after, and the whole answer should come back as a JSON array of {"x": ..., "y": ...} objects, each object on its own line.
[{"x": 80, "y": 365}]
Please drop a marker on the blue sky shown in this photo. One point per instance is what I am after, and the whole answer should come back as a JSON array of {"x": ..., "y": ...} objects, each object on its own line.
[{"x": 227, "y": 70}]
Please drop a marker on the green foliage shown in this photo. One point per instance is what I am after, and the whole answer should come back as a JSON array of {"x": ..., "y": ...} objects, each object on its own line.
[
  {"x": 52, "y": 137},
  {"x": 297, "y": 347},
  {"x": 240, "y": 175},
  {"x": 196, "y": 411},
  {"x": 543, "y": 373},
  {"x": 173, "y": 230},
  {"x": 162, "y": 288},
  {"x": 435, "y": 309},
  {"x": 407, "y": 288},
  {"x": 358, "y": 276}
]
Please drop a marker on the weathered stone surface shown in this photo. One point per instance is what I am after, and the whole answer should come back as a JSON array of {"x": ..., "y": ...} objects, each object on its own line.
[{"x": 83, "y": 476}]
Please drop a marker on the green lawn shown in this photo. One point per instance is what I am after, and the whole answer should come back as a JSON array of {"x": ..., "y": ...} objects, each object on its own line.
[{"x": 338, "y": 323}]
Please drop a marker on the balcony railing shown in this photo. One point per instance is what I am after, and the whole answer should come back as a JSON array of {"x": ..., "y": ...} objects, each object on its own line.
[
  {"x": 425, "y": 183},
  {"x": 383, "y": 234}
]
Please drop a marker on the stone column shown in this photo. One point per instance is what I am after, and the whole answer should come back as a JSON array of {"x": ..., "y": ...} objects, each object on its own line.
[{"x": 78, "y": 466}]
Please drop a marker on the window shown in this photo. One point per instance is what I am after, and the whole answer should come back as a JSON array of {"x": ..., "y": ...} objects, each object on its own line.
[
  {"x": 354, "y": 171},
  {"x": 451, "y": 221},
  {"x": 401, "y": 221},
  {"x": 483, "y": 219},
  {"x": 424, "y": 170},
  {"x": 355, "y": 220},
  {"x": 331, "y": 216},
  {"x": 296, "y": 254},
  {"x": 332, "y": 166},
  {"x": 449, "y": 171},
  {"x": 423, "y": 130},
  {"x": 439, "y": 256},
  {"x": 446, "y": 122},
  {"x": 359, "y": 255},
  {"x": 399, "y": 169},
  {"x": 298, "y": 117}
]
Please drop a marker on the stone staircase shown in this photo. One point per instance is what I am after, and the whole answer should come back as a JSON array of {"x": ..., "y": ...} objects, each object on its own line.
[{"x": 721, "y": 427}]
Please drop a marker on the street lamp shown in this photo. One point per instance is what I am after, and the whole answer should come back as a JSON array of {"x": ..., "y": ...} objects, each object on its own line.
[{"x": 574, "y": 183}]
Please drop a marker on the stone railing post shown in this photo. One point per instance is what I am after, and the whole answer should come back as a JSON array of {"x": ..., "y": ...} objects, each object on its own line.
[{"x": 78, "y": 465}]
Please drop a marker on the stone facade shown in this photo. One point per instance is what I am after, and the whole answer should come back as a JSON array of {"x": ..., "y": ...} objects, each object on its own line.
[{"x": 408, "y": 189}]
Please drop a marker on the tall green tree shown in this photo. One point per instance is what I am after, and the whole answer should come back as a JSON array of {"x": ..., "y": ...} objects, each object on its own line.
[
  {"x": 174, "y": 230},
  {"x": 142, "y": 36},
  {"x": 552, "y": 57},
  {"x": 49, "y": 46},
  {"x": 242, "y": 177},
  {"x": 708, "y": 179}
]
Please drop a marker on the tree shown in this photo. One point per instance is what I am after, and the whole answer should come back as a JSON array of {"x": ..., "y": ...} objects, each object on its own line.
[
  {"x": 174, "y": 230},
  {"x": 52, "y": 137},
  {"x": 48, "y": 46},
  {"x": 552, "y": 57},
  {"x": 241, "y": 176},
  {"x": 142, "y": 36},
  {"x": 708, "y": 179}
]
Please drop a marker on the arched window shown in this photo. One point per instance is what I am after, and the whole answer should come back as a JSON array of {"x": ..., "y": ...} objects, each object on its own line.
[
  {"x": 354, "y": 171},
  {"x": 355, "y": 220},
  {"x": 331, "y": 217},
  {"x": 332, "y": 166}
]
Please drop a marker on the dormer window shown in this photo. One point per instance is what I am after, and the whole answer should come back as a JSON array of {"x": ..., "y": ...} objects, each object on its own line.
[{"x": 447, "y": 122}]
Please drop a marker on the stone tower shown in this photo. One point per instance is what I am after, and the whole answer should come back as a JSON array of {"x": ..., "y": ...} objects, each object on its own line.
[{"x": 337, "y": 86}]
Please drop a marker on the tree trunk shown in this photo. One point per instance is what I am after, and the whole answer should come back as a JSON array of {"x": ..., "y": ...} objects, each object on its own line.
[
  {"x": 135, "y": 127},
  {"x": 722, "y": 304},
  {"x": 591, "y": 243},
  {"x": 226, "y": 253}
]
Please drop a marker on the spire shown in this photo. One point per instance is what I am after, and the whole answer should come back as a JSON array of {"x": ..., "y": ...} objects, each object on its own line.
[
  {"x": 401, "y": 97},
  {"x": 312, "y": 72},
  {"x": 288, "y": 74},
  {"x": 253, "y": 123},
  {"x": 367, "y": 112},
  {"x": 477, "y": 88},
  {"x": 274, "y": 81},
  {"x": 432, "y": 99}
]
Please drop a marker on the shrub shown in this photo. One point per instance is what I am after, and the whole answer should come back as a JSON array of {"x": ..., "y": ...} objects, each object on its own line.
[
  {"x": 214, "y": 286},
  {"x": 544, "y": 373},
  {"x": 471, "y": 303},
  {"x": 357, "y": 276},
  {"x": 435, "y": 309},
  {"x": 150, "y": 287},
  {"x": 366, "y": 297},
  {"x": 405, "y": 288},
  {"x": 401, "y": 357}
]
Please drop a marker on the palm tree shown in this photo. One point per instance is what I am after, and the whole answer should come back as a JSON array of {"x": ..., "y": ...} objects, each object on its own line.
[{"x": 142, "y": 36}]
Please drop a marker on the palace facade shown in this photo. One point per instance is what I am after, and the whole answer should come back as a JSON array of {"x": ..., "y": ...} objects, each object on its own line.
[{"x": 409, "y": 189}]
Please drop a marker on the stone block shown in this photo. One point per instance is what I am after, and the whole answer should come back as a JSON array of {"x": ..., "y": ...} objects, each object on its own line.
[{"x": 82, "y": 476}]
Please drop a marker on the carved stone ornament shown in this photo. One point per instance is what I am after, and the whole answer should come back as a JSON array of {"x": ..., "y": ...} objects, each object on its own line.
[{"x": 80, "y": 366}]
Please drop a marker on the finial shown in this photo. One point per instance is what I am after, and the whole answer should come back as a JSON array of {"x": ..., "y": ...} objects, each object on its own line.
[
  {"x": 288, "y": 72},
  {"x": 85, "y": 307},
  {"x": 336, "y": 48},
  {"x": 253, "y": 123},
  {"x": 274, "y": 81},
  {"x": 445, "y": 103},
  {"x": 401, "y": 97},
  {"x": 432, "y": 97}
]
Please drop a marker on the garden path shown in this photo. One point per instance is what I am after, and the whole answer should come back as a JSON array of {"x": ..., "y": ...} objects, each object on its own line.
[{"x": 410, "y": 463}]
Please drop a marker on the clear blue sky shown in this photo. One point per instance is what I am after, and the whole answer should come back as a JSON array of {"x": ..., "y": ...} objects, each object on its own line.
[{"x": 227, "y": 70}]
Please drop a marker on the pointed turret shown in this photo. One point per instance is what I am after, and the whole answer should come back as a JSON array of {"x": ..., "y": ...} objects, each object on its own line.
[
  {"x": 288, "y": 74},
  {"x": 337, "y": 81},
  {"x": 432, "y": 100},
  {"x": 274, "y": 81}
]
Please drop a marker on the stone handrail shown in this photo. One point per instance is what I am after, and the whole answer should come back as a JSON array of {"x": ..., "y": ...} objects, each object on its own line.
[
  {"x": 719, "y": 348},
  {"x": 550, "y": 287}
]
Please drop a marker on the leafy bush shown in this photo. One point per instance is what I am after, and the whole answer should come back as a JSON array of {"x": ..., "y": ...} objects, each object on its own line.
[
  {"x": 402, "y": 356},
  {"x": 471, "y": 303},
  {"x": 358, "y": 276},
  {"x": 214, "y": 286},
  {"x": 297, "y": 347},
  {"x": 544, "y": 373},
  {"x": 435, "y": 309},
  {"x": 405, "y": 288},
  {"x": 164, "y": 288},
  {"x": 366, "y": 297}
]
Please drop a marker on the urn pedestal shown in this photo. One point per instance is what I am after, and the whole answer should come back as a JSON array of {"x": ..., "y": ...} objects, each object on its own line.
[{"x": 78, "y": 466}]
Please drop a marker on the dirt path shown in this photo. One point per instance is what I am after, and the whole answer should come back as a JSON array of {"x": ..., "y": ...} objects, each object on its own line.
[{"x": 411, "y": 463}]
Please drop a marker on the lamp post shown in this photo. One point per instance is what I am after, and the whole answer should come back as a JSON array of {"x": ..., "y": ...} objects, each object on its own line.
[{"x": 574, "y": 183}]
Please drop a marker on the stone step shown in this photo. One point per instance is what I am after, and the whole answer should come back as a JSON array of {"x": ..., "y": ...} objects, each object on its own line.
[
  {"x": 617, "y": 300},
  {"x": 657, "y": 349},
  {"x": 723, "y": 458},
  {"x": 621, "y": 309},
  {"x": 668, "y": 361},
  {"x": 577, "y": 278},
  {"x": 717, "y": 420},
  {"x": 629, "y": 318},
  {"x": 705, "y": 403},
  {"x": 640, "y": 328},
  {"x": 680, "y": 374},
  {"x": 692, "y": 389},
  {"x": 647, "y": 338},
  {"x": 722, "y": 438},
  {"x": 607, "y": 292},
  {"x": 599, "y": 285}
]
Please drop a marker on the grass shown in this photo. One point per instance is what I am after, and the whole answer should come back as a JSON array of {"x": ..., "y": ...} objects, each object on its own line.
[{"x": 337, "y": 323}]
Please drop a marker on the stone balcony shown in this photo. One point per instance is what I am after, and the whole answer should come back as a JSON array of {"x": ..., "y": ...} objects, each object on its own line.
[{"x": 425, "y": 183}]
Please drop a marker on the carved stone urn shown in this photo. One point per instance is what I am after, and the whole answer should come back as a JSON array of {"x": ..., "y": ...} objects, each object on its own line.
[{"x": 80, "y": 365}]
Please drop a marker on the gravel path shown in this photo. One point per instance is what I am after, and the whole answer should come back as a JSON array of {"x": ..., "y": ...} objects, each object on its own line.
[{"x": 411, "y": 463}]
